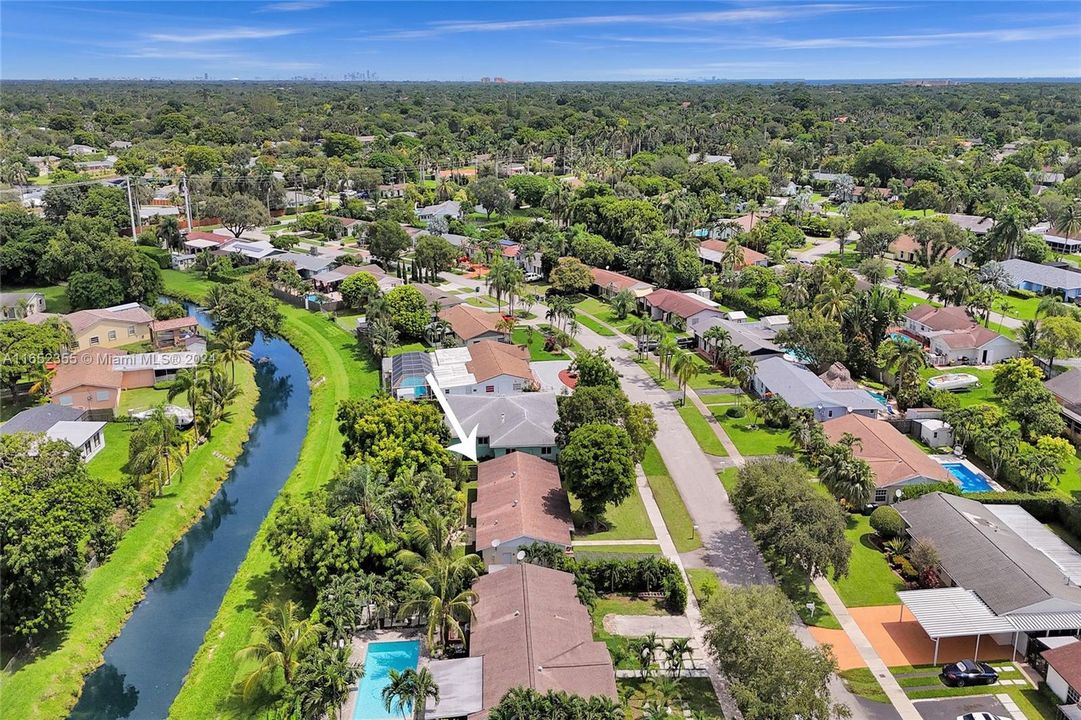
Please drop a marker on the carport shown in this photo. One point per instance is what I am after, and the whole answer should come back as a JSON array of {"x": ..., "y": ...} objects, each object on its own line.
[{"x": 953, "y": 612}]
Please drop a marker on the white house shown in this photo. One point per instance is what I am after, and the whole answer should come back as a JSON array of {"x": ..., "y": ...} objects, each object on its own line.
[
  {"x": 447, "y": 208},
  {"x": 973, "y": 346},
  {"x": 1064, "y": 673},
  {"x": 86, "y": 437},
  {"x": 16, "y": 305}
]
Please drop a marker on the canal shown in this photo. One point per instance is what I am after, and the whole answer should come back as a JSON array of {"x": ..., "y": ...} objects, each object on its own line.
[{"x": 145, "y": 665}]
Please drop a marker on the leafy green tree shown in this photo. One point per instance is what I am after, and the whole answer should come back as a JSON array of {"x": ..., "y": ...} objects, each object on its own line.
[
  {"x": 247, "y": 310},
  {"x": 358, "y": 289},
  {"x": 25, "y": 347},
  {"x": 489, "y": 193},
  {"x": 570, "y": 275},
  {"x": 608, "y": 405},
  {"x": 435, "y": 255},
  {"x": 387, "y": 240},
  {"x": 597, "y": 465},
  {"x": 93, "y": 290},
  {"x": 202, "y": 159},
  {"x": 1012, "y": 373},
  {"x": 238, "y": 213},
  {"x": 169, "y": 311},
  {"x": 529, "y": 189},
  {"x": 408, "y": 310},
  {"x": 594, "y": 369},
  {"x": 391, "y": 435},
  {"x": 814, "y": 338},
  {"x": 1034, "y": 407},
  {"x": 1059, "y": 335}
]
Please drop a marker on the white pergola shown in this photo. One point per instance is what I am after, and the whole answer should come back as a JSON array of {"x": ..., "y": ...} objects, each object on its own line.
[{"x": 954, "y": 612}]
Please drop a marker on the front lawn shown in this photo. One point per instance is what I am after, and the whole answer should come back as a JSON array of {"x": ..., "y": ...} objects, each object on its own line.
[
  {"x": 759, "y": 440},
  {"x": 704, "y": 584},
  {"x": 594, "y": 325},
  {"x": 695, "y": 694},
  {"x": 703, "y": 432},
  {"x": 862, "y": 682},
  {"x": 676, "y": 518},
  {"x": 535, "y": 342},
  {"x": 626, "y": 521},
  {"x": 619, "y": 645},
  {"x": 1031, "y": 702},
  {"x": 870, "y": 580}
]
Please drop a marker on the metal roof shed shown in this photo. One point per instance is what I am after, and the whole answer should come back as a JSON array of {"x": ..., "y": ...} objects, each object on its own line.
[{"x": 953, "y": 612}]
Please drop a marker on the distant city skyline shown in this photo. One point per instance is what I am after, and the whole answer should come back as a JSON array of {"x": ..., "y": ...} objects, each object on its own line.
[{"x": 550, "y": 41}]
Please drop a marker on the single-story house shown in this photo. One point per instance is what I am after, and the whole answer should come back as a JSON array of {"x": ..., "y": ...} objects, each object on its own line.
[
  {"x": 925, "y": 321},
  {"x": 530, "y": 262},
  {"x": 974, "y": 223},
  {"x": 1013, "y": 576},
  {"x": 352, "y": 225},
  {"x": 197, "y": 240},
  {"x": 1038, "y": 278},
  {"x": 248, "y": 251},
  {"x": 513, "y": 423},
  {"x": 119, "y": 145},
  {"x": 1060, "y": 243},
  {"x": 79, "y": 149},
  {"x": 532, "y": 631},
  {"x": 17, "y": 305},
  {"x": 671, "y": 306},
  {"x": 88, "y": 437},
  {"x": 329, "y": 281},
  {"x": 1064, "y": 674},
  {"x": 756, "y": 338},
  {"x": 140, "y": 370},
  {"x": 105, "y": 327},
  {"x": 801, "y": 388},
  {"x": 434, "y": 295},
  {"x": 173, "y": 332},
  {"x": 607, "y": 283},
  {"x": 894, "y": 459},
  {"x": 391, "y": 190},
  {"x": 447, "y": 208},
  {"x": 707, "y": 159},
  {"x": 859, "y": 193},
  {"x": 907, "y": 249},
  {"x": 485, "y": 367},
  {"x": 520, "y": 501},
  {"x": 307, "y": 265},
  {"x": 40, "y": 418},
  {"x": 975, "y": 345},
  {"x": 471, "y": 324},
  {"x": 1067, "y": 390},
  {"x": 712, "y": 252},
  {"x": 88, "y": 380},
  {"x": 725, "y": 229}
]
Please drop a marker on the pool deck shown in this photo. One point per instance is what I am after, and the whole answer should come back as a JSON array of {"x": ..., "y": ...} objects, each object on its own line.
[
  {"x": 944, "y": 459},
  {"x": 359, "y": 653}
]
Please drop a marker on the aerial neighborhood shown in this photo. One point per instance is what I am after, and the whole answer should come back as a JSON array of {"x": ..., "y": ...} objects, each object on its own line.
[{"x": 636, "y": 401}]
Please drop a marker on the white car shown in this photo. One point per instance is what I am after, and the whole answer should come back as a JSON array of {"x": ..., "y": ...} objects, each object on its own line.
[
  {"x": 979, "y": 716},
  {"x": 533, "y": 277}
]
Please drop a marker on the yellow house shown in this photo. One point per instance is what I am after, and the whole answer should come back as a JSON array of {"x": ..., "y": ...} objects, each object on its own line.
[{"x": 105, "y": 327}]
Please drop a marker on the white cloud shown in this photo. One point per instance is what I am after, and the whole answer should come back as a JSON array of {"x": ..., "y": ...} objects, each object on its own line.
[
  {"x": 295, "y": 6},
  {"x": 237, "y": 33}
]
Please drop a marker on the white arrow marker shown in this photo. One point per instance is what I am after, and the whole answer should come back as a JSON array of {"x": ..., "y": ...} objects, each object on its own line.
[{"x": 467, "y": 445}]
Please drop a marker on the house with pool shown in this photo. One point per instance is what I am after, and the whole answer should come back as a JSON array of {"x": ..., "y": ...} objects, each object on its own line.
[
  {"x": 801, "y": 388},
  {"x": 487, "y": 367},
  {"x": 953, "y": 337}
]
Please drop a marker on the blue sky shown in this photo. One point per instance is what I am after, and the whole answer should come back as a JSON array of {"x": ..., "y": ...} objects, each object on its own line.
[{"x": 404, "y": 40}]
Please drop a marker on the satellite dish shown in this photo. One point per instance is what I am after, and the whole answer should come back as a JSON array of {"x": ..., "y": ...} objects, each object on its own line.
[
  {"x": 495, "y": 543},
  {"x": 520, "y": 555}
]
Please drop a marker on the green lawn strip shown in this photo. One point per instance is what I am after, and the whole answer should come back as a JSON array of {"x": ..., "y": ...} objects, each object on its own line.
[
  {"x": 870, "y": 581},
  {"x": 644, "y": 549},
  {"x": 654, "y": 371},
  {"x": 728, "y": 478},
  {"x": 704, "y": 583},
  {"x": 709, "y": 378},
  {"x": 703, "y": 432},
  {"x": 862, "y": 682},
  {"x": 626, "y": 521},
  {"x": 521, "y": 336},
  {"x": 49, "y": 686},
  {"x": 719, "y": 398},
  {"x": 56, "y": 296},
  {"x": 481, "y": 301},
  {"x": 111, "y": 460},
  {"x": 696, "y": 694},
  {"x": 408, "y": 347},
  {"x": 335, "y": 356},
  {"x": 618, "y": 645},
  {"x": 676, "y": 518},
  {"x": 185, "y": 285},
  {"x": 594, "y": 325},
  {"x": 758, "y": 441}
]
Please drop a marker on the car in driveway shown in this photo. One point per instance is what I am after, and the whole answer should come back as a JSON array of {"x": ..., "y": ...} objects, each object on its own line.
[
  {"x": 533, "y": 277},
  {"x": 968, "y": 672},
  {"x": 979, "y": 716}
]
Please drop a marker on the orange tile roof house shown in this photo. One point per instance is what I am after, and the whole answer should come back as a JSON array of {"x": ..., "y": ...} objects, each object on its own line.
[
  {"x": 907, "y": 249},
  {"x": 471, "y": 324},
  {"x": 668, "y": 304},
  {"x": 490, "y": 359},
  {"x": 519, "y": 501},
  {"x": 532, "y": 632},
  {"x": 711, "y": 251},
  {"x": 173, "y": 332},
  {"x": 955, "y": 338},
  {"x": 607, "y": 283},
  {"x": 894, "y": 459},
  {"x": 88, "y": 380}
]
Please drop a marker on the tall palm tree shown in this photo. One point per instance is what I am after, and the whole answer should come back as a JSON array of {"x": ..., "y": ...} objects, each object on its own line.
[
  {"x": 382, "y": 337},
  {"x": 1009, "y": 230},
  {"x": 905, "y": 360},
  {"x": 282, "y": 637},
  {"x": 622, "y": 304},
  {"x": 833, "y": 299},
  {"x": 685, "y": 368},
  {"x": 1068, "y": 220},
  {"x": 154, "y": 445},
  {"x": 409, "y": 692},
  {"x": 717, "y": 340},
  {"x": 439, "y": 591},
  {"x": 733, "y": 257},
  {"x": 231, "y": 347},
  {"x": 367, "y": 494},
  {"x": 640, "y": 328},
  {"x": 188, "y": 384},
  {"x": 666, "y": 350}
]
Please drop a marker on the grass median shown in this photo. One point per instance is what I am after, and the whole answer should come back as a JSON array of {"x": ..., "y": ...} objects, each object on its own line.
[{"x": 673, "y": 510}]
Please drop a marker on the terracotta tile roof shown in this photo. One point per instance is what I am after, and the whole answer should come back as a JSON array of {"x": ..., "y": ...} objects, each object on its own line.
[
  {"x": 950, "y": 317},
  {"x": 746, "y": 222},
  {"x": 750, "y": 257},
  {"x": 489, "y": 359},
  {"x": 604, "y": 278},
  {"x": 173, "y": 324},
  {"x": 905, "y": 243},
  {"x": 893, "y": 457},
  {"x": 511, "y": 250},
  {"x": 677, "y": 303},
  {"x": 533, "y": 632},
  {"x": 92, "y": 367},
  {"x": 469, "y": 322},
  {"x": 1066, "y": 661},
  {"x": 212, "y": 237},
  {"x": 519, "y": 495}
]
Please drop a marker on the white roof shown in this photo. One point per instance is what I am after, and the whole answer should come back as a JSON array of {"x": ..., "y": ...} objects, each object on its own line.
[
  {"x": 76, "y": 432},
  {"x": 953, "y": 612},
  {"x": 1038, "y": 536},
  {"x": 449, "y": 367},
  {"x": 157, "y": 361},
  {"x": 257, "y": 249},
  {"x": 199, "y": 244}
]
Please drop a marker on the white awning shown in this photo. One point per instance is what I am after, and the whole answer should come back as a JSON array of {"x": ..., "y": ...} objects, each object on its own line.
[
  {"x": 460, "y": 684},
  {"x": 953, "y": 612},
  {"x": 1036, "y": 622}
]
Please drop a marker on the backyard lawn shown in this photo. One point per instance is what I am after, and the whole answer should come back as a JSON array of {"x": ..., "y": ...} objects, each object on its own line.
[
  {"x": 753, "y": 441},
  {"x": 185, "y": 285},
  {"x": 56, "y": 298},
  {"x": 618, "y": 645},
  {"x": 521, "y": 336},
  {"x": 676, "y": 518},
  {"x": 870, "y": 581},
  {"x": 146, "y": 398},
  {"x": 701, "y": 429},
  {"x": 696, "y": 695},
  {"x": 626, "y": 521},
  {"x": 111, "y": 460}
]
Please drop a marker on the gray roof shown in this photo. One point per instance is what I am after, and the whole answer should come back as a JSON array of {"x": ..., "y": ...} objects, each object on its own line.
[
  {"x": 40, "y": 418},
  {"x": 76, "y": 432},
  {"x": 447, "y": 207},
  {"x": 460, "y": 684},
  {"x": 512, "y": 421},
  {"x": 952, "y": 612},
  {"x": 982, "y": 553},
  {"x": 435, "y": 295},
  {"x": 311, "y": 263},
  {"x": 754, "y": 337},
  {"x": 1067, "y": 387},
  {"x": 455, "y": 240},
  {"x": 976, "y": 223},
  {"x": 1045, "y": 275},
  {"x": 802, "y": 388},
  {"x": 10, "y": 299}
]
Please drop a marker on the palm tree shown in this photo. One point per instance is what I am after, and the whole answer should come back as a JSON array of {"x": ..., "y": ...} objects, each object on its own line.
[
  {"x": 685, "y": 367},
  {"x": 640, "y": 328},
  {"x": 506, "y": 326},
  {"x": 905, "y": 360},
  {"x": 153, "y": 445},
  {"x": 622, "y": 304},
  {"x": 282, "y": 637},
  {"x": 41, "y": 380},
  {"x": 410, "y": 691},
  {"x": 733, "y": 257},
  {"x": 1009, "y": 230},
  {"x": 674, "y": 654},
  {"x": 1004, "y": 307},
  {"x": 188, "y": 384},
  {"x": 846, "y": 476},
  {"x": 214, "y": 296},
  {"x": 382, "y": 337},
  {"x": 439, "y": 590},
  {"x": 717, "y": 340},
  {"x": 833, "y": 299},
  {"x": 666, "y": 350},
  {"x": 1029, "y": 336},
  {"x": 367, "y": 494},
  {"x": 231, "y": 347},
  {"x": 1068, "y": 220}
]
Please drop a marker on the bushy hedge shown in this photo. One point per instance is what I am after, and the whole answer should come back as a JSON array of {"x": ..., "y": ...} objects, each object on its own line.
[
  {"x": 651, "y": 574},
  {"x": 887, "y": 522},
  {"x": 737, "y": 300}
]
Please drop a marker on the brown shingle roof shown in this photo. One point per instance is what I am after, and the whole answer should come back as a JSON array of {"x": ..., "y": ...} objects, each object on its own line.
[
  {"x": 212, "y": 237},
  {"x": 974, "y": 337},
  {"x": 469, "y": 322},
  {"x": 92, "y": 367},
  {"x": 893, "y": 457},
  {"x": 533, "y": 632},
  {"x": 173, "y": 324},
  {"x": 950, "y": 317},
  {"x": 519, "y": 495},
  {"x": 1066, "y": 661},
  {"x": 83, "y": 320},
  {"x": 605, "y": 278},
  {"x": 677, "y": 303},
  {"x": 490, "y": 358},
  {"x": 905, "y": 243}
]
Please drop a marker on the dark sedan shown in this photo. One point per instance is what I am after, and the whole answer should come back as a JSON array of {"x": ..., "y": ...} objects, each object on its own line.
[{"x": 968, "y": 672}]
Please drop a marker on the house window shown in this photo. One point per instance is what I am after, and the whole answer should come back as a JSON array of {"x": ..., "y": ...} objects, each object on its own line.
[
  {"x": 95, "y": 340},
  {"x": 882, "y": 495},
  {"x": 489, "y": 388},
  {"x": 830, "y": 413},
  {"x": 65, "y": 399},
  {"x": 1072, "y": 696},
  {"x": 546, "y": 451},
  {"x": 517, "y": 386},
  {"x": 482, "y": 439},
  {"x": 102, "y": 395},
  {"x": 131, "y": 330},
  {"x": 112, "y": 334}
]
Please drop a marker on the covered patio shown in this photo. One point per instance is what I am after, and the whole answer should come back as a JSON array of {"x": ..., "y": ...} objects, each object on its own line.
[{"x": 954, "y": 613}]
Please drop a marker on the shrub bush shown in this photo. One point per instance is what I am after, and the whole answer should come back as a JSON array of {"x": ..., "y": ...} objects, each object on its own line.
[
  {"x": 905, "y": 569},
  {"x": 887, "y": 522},
  {"x": 736, "y": 411}
]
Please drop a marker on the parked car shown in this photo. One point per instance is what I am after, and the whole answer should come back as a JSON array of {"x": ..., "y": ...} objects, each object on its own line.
[
  {"x": 685, "y": 342},
  {"x": 968, "y": 672},
  {"x": 533, "y": 277},
  {"x": 647, "y": 345},
  {"x": 979, "y": 716}
]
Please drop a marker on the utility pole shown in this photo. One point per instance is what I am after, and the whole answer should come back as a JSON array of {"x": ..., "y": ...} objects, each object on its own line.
[
  {"x": 187, "y": 201},
  {"x": 131, "y": 208}
]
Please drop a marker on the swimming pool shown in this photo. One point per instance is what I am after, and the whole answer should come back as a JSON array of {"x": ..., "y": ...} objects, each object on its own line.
[
  {"x": 879, "y": 397},
  {"x": 969, "y": 480},
  {"x": 900, "y": 337},
  {"x": 381, "y": 659}
]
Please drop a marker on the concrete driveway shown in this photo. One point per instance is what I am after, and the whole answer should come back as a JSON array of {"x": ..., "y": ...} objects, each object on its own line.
[{"x": 953, "y": 708}]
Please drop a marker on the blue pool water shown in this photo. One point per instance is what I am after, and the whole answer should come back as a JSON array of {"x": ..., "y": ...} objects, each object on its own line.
[
  {"x": 879, "y": 397},
  {"x": 383, "y": 657},
  {"x": 900, "y": 337},
  {"x": 969, "y": 481}
]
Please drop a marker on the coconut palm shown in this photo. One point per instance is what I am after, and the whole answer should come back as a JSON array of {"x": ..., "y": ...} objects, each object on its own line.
[
  {"x": 732, "y": 258},
  {"x": 231, "y": 347},
  {"x": 154, "y": 446},
  {"x": 410, "y": 691},
  {"x": 622, "y": 304},
  {"x": 717, "y": 340},
  {"x": 367, "y": 494},
  {"x": 833, "y": 299},
  {"x": 685, "y": 368},
  {"x": 439, "y": 591},
  {"x": 282, "y": 637},
  {"x": 1068, "y": 219},
  {"x": 382, "y": 337},
  {"x": 666, "y": 350},
  {"x": 904, "y": 359},
  {"x": 1009, "y": 230}
]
